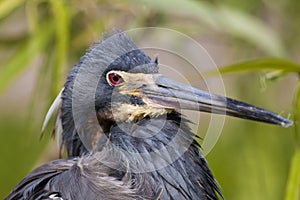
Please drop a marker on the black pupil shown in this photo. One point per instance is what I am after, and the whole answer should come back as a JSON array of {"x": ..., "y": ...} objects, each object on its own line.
[{"x": 115, "y": 78}]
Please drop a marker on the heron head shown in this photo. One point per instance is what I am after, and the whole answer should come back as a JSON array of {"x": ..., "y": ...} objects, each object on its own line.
[
  {"x": 140, "y": 95},
  {"x": 125, "y": 86}
]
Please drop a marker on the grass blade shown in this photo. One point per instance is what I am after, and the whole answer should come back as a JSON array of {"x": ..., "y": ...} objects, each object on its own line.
[
  {"x": 293, "y": 184},
  {"x": 62, "y": 26},
  {"x": 260, "y": 64}
]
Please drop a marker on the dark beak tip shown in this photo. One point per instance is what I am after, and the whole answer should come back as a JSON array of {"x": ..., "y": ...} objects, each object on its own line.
[{"x": 287, "y": 123}]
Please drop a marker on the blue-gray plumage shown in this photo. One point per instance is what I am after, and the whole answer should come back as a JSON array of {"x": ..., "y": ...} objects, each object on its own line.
[{"x": 120, "y": 123}]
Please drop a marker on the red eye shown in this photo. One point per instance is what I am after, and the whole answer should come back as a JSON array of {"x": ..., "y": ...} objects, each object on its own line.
[{"x": 114, "y": 79}]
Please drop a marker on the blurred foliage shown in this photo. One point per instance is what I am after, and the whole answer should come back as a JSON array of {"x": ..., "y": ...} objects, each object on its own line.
[
  {"x": 19, "y": 151},
  {"x": 251, "y": 160},
  {"x": 281, "y": 67}
]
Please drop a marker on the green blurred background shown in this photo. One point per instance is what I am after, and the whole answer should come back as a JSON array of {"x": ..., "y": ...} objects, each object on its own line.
[{"x": 41, "y": 40}]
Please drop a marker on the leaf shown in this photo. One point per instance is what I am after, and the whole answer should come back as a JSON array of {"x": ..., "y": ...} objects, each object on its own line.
[
  {"x": 260, "y": 64},
  {"x": 224, "y": 19}
]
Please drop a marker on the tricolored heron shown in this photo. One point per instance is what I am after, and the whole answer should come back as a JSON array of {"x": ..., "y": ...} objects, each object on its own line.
[{"x": 120, "y": 123}]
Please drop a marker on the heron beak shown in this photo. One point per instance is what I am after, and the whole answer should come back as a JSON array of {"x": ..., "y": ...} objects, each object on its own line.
[{"x": 159, "y": 91}]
